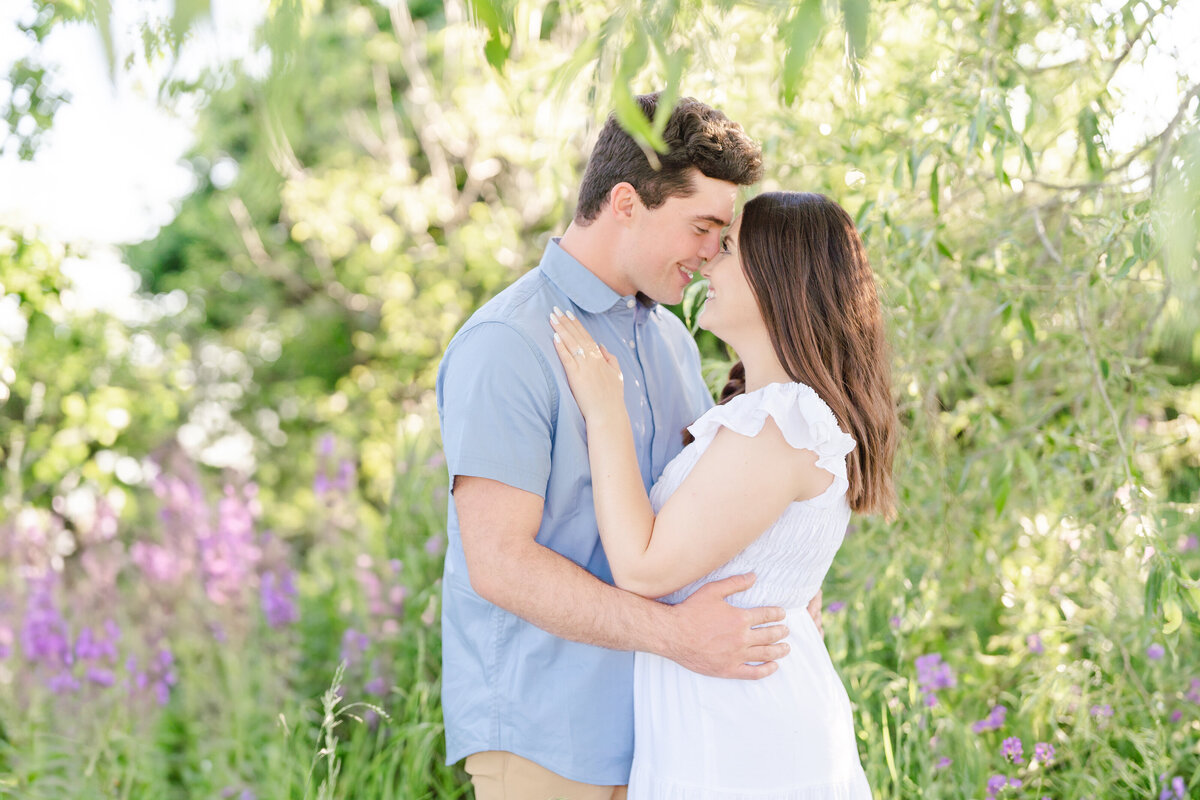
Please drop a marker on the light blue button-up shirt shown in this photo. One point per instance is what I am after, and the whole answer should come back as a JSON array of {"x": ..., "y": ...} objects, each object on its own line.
[{"x": 507, "y": 414}]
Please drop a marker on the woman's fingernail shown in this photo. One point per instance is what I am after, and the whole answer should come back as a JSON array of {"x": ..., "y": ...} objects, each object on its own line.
[
  {"x": 558, "y": 311},
  {"x": 570, "y": 315},
  {"x": 557, "y": 338},
  {"x": 553, "y": 320}
]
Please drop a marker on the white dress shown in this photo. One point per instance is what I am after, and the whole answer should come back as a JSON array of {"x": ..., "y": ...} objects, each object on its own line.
[{"x": 789, "y": 736}]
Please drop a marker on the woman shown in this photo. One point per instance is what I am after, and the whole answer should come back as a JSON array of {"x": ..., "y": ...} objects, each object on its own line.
[{"x": 805, "y": 433}]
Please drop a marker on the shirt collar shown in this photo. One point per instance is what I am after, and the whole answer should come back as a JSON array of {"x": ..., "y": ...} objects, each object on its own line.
[{"x": 578, "y": 282}]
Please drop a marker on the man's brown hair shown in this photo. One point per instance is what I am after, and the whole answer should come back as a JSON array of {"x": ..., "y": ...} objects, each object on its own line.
[{"x": 697, "y": 136}]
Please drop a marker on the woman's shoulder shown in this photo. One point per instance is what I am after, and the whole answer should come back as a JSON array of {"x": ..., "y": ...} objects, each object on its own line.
[{"x": 805, "y": 420}]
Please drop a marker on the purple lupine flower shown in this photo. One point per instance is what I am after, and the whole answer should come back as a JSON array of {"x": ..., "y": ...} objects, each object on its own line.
[
  {"x": 347, "y": 473},
  {"x": 1102, "y": 710},
  {"x": 101, "y": 677},
  {"x": 835, "y": 607},
  {"x": 354, "y": 644},
  {"x": 1155, "y": 652},
  {"x": 995, "y": 784},
  {"x": 1015, "y": 783},
  {"x": 1043, "y": 752},
  {"x": 994, "y": 720},
  {"x": 1034, "y": 643},
  {"x": 943, "y": 762},
  {"x": 44, "y": 635},
  {"x": 63, "y": 683},
  {"x": 158, "y": 563},
  {"x": 377, "y": 686},
  {"x": 1179, "y": 787},
  {"x": 277, "y": 595},
  {"x": 1013, "y": 750},
  {"x": 229, "y": 553}
]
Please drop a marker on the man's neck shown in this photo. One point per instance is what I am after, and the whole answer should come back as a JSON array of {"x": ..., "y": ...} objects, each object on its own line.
[{"x": 592, "y": 248}]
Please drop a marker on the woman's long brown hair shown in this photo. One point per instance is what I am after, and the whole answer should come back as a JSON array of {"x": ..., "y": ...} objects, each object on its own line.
[{"x": 809, "y": 272}]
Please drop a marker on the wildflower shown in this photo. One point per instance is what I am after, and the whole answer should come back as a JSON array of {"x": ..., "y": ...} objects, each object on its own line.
[
  {"x": 44, "y": 636},
  {"x": 943, "y": 762},
  {"x": 377, "y": 686},
  {"x": 1192, "y": 543},
  {"x": 1155, "y": 651},
  {"x": 1176, "y": 715},
  {"x": 1043, "y": 752},
  {"x": 895, "y": 621},
  {"x": 435, "y": 544},
  {"x": 100, "y": 677},
  {"x": 354, "y": 644},
  {"x": 277, "y": 593},
  {"x": 1034, "y": 643},
  {"x": 835, "y": 607},
  {"x": 1102, "y": 710},
  {"x": 1177, "y": 790},
  {"x": 6, "y": 640},
  {"x": 1013, "y": 749},
  {"x": 1194, "y": 693},
  {"x": 994, "y": 785},
  {"x": 933, "y": 674},
  {"x": 63, "y": 683},
  {"x": 994, "y": 720}
]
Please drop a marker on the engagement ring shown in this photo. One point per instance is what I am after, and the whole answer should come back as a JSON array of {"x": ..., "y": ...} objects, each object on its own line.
[{"x": 578, "y": 351}]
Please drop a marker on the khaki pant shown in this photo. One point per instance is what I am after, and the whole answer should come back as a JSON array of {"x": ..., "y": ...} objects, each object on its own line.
[{"x": 503, "y": 776}]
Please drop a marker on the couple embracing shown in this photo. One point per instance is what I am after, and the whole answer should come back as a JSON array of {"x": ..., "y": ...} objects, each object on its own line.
[{"x": 622, "y": 609}]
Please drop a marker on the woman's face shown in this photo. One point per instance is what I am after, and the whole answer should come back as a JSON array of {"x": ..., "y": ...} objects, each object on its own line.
[{"x": 730, "y": 310}]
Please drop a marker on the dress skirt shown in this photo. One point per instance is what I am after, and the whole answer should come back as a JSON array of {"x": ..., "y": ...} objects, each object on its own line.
[{"x": 789, "y": 736}]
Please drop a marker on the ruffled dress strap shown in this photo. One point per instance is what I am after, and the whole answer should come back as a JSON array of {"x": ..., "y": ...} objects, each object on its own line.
[{"x": 805, "y": 420}]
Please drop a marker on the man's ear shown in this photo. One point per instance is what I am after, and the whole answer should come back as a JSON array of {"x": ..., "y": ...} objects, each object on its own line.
[{"x": 623, "y": 201}]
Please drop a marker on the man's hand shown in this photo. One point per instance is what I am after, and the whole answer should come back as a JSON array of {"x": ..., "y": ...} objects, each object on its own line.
[
  {"x": 814, "y": 611},
  {"x": 716, "y": 639}
]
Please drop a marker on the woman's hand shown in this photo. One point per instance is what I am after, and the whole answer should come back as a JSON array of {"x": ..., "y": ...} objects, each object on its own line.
[{"x": 592, "y": 371}]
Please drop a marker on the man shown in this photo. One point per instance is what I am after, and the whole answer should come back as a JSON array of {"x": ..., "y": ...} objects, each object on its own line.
[{"x": 537, "y": 662}]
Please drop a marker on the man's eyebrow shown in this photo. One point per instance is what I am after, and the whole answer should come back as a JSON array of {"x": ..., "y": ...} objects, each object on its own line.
[{"x": 713, "y": 220}]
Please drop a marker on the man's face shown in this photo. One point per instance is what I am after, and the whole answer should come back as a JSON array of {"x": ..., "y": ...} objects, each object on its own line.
[{"x": 669, "y": 243}]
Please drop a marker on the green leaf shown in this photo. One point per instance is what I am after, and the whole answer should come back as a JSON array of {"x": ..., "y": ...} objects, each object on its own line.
[
  {"x": 1172, "y": 616},
  {"x": 801, "y": 32},
  {"x": 1027, "y": 322},
  {"x": 1089, "y": 133},
  {"x": 934, "y": 190},
  {"x": 856, "y": 16},
  {"x": 1125, "y": 267},
  {"x": 186, "y": 14},
  {"x": 1154, "y": 585},
  {"x": 1104, "y": 368}
]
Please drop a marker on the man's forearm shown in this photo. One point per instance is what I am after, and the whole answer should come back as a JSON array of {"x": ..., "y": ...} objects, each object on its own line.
[{"x": 560, "y": 597}]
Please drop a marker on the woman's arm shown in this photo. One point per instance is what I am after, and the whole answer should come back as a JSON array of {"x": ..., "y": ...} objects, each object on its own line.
[{"x": 736, "y": 490}]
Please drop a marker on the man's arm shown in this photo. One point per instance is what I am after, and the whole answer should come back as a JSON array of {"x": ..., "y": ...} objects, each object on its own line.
[{"x": 509, "y": 568}]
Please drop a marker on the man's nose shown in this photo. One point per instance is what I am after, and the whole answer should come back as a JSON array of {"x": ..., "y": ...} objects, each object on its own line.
[{"x": 710, "y": 246}]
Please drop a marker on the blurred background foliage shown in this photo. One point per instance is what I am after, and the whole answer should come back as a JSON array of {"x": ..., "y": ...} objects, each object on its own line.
[{"x": 399, "y": 163}]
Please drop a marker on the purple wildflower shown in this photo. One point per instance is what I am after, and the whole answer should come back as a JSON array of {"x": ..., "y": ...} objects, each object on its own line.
[
  {"x": 943, "y": 762},
  {"x": 277, "y": 594},
  {"x": 993, "y": 722},
  {"x": 1034, "y": 643},
  {"x": 1176, "y": 790},
  {"x": 1176, "y": 715},
  {"x": 44, "y": 636},
  {"x": 6, "y": 640},
  {"x": 1155, "y": 652},
  {"x": 1102, "y": 710},
  {"x": 1194, "y": 692},
  {"x": 354, "y": 644},
  {"x": 1192, "y": 543},
  {"x": 932, "y": 675},
  {"x": 1013, "y": 750},
  {"x": 835, "y": 607},
  {"x": 995, "y": 784},
  {"x": 1043, "y": 752},
  {"x": 100, "y": 677},
  {"x": 63, "y": 683},
  {"x": 435, "y": 544},
  {"x": 377, "y": 686}
]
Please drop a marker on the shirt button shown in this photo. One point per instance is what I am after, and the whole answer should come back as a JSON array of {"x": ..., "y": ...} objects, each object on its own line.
[
  {"x": 630, "y": 303},
  {"x": 631, "y": 344}
]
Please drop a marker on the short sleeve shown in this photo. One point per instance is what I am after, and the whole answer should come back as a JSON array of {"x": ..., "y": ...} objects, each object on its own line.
[
  {"x": 496, "y": 401},
  {"x": 805, "y": 420}
]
